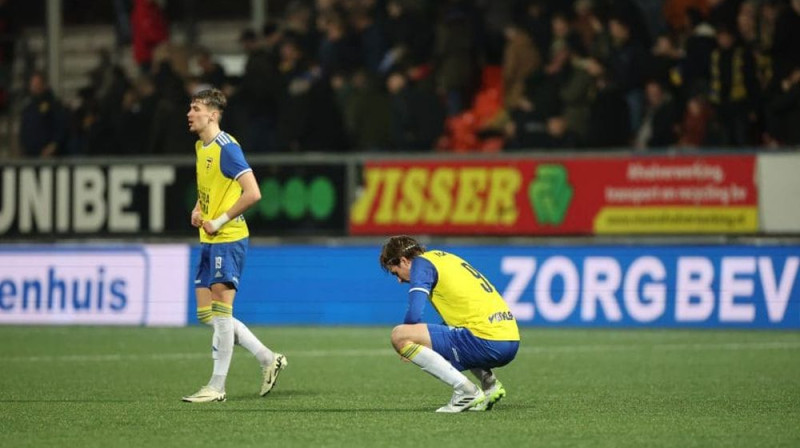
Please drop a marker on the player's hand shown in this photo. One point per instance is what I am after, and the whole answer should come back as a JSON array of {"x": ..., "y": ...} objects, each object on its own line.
[
  {"x": 209, "y": 228},
  {"x": 197, "y": 218},
  {"x": 215, "y": 224}
]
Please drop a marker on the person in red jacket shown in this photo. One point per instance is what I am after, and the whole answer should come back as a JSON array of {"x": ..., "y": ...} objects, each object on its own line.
[{"x": 149, "y": 28}]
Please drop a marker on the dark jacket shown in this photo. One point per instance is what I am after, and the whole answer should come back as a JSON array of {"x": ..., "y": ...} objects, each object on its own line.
[{"x": 44, "y": 121}]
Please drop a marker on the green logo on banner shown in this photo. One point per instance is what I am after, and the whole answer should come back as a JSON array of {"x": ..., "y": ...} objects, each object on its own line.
[
  {"x": 550, "y": 194},
  {"x": 295, "y": 198}
]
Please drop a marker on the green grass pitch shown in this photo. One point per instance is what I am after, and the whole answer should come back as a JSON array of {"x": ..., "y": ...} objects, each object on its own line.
[{"x": 120, "y": 387}]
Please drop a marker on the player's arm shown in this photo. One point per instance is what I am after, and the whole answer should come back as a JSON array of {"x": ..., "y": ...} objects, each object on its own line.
[
  {"x": 234, "y": 166},
  {"x": 423, "y": 279},
  {"x": 250, "y": 195}
]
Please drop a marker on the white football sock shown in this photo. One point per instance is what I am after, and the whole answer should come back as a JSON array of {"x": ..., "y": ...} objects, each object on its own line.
[
  {"x": 244, "y": 337},
  {"x": 436, "y": 365},
  {"x": 223, "y": 335},
  {"x": 251, "y": 343}
]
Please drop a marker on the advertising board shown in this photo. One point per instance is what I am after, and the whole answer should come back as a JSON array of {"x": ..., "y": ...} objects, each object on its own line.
[
  {"x": 578, "y": 196},
  {"x": 595, "y": 286},
  {"x": 149, "y": 199},
  {"x": 102, "y": 285}
]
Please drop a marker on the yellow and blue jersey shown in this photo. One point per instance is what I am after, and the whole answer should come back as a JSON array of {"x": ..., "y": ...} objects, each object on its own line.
[
  {"x": 219, "y": 165},
  {"x": 461, "y": 295}
]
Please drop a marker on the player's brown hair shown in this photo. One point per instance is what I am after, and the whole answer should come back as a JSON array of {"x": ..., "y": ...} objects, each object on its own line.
[
  {"x": 211, "y": 98},
  {"x": 397, "y": 247}
]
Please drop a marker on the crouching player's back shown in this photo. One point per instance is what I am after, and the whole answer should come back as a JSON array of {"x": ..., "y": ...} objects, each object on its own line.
[
  {"x": 480, "y": 332},
  {"x": 465, "y": 298}
]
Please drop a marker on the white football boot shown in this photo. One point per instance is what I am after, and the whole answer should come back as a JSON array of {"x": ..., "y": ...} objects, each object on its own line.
[
  {"x": 271, "y": 373},
  {"x": 462, "y": 400},
  {"x": 206, "y": 394}
]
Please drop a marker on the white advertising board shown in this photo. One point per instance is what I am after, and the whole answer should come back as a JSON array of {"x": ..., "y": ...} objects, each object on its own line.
[
  {"x": 779, "y": 192},
  {"x": 94, "y": 285}
]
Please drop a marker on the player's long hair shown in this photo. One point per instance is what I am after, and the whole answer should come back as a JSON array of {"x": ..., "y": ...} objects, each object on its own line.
[{"x": 397, "y": 247}]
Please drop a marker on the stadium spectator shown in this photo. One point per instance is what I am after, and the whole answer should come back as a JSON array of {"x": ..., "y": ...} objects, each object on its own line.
[
  {"x": 448, "y": 45},
  {"x": 658, "y": 128},
  {"x": 591, "y": 31},
  {"x": 559, "y": 136},
  {"x": 108, "y": 84},
  {"x": 149, "y": 28},
  {"x": 575, "y": 89},
  {"x": 122, "y": 22},
  {"x": 787, "y": 34},
  {"x": 417, "y": 115},
  {"x": 138, "y": 109},
  {"x": 609, "y": 114},
  {"x": 563, "y": 35},
  {"x": 310, "y": 119},
  {"x": 211, "y": 72},
  {"x": 520, "y": 59},
  {"x": 698, "y": 126},
  {"x": 223, "y": 240},
  {"x": 298, "y": 21},
  {"x": 256, "y": 100},
  {"x": 409, "y": 33},
  {"x": 339, "y": 50},
  {"x": 479, "y": 331},
  {"x": 454, "y": 58},
  {"x": 536, "y": 21},
  {"x": 83, "y": 136},
  {"x": 168, "y": 131},
  {"x": 784, "y": 112},
  {"x": 734, "y": 88},
  {"x": 367, "y": 113},
  {"x": 664, "y": 63},
  {"x": 43, "y": 125},
  {"x": 701, "y": 41},
  {"x": 626, "y": 66},
  {"x": 371, "y": 38},
  {"x": 723, "y": 12}
]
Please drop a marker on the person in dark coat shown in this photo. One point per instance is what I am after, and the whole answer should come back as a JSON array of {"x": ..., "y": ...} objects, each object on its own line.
[
  {"x": 43, "y": 126},
  {"x": 783, "y": 111},
  {"x": 417, "y": 115},
  {"x": 658, "y": 128},
  {"x": 609, "y": 117}
]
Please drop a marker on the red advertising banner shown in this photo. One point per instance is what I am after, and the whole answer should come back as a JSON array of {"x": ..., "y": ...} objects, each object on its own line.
[{"x": 582, "y": 196}]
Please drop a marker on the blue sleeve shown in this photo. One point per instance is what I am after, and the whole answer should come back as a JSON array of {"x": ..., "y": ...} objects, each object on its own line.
[
  {"x": 232, "y": 162},
  {"x": 423, "y": 280}
]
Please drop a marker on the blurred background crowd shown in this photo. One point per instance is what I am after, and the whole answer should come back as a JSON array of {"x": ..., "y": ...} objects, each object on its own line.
[{"x": 447, "y": 75}]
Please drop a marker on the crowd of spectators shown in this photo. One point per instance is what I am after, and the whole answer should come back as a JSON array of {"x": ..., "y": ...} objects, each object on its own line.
[{"x": 453, "y": 75}]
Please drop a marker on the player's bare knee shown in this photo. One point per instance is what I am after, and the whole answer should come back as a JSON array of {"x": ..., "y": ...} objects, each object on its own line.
[{"x": 400, "y": 337}]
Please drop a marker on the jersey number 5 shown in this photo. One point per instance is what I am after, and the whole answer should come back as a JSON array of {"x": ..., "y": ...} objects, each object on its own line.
[{"x": 484, "y": 283}]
